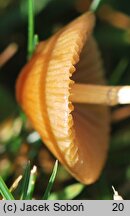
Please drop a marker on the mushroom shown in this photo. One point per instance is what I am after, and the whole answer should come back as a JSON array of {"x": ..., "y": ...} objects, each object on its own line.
[{"x": 61, "y": 89}]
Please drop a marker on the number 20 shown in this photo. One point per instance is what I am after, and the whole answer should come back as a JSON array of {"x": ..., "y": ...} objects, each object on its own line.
[{"x": 118, "y": 207}]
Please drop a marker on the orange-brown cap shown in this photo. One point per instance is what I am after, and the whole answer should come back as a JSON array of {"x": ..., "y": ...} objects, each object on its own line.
[{"x": 76, "y": 134}]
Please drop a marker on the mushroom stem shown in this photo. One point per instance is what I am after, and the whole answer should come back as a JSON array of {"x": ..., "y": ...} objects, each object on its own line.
[{"x": 98, "y": 94}]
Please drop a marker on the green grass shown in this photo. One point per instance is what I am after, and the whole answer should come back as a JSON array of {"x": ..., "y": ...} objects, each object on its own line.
[
  {"x": 51, "y": 182},
  {"x": 27, "y": 185},
  {"x": 31, "y": 184},
  {"x": 5, "y": 191},
  {"x": 25, "y": 182},
  {"x": 119, "y": 71},
  {"x": 31, "y": 43}
]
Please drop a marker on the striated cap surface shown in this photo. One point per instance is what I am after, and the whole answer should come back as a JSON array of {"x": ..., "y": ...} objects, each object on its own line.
[{"x": 76, "y": 134}]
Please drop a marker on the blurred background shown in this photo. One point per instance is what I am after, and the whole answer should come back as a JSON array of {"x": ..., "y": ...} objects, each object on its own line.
[{"x": 18, "y": 141}]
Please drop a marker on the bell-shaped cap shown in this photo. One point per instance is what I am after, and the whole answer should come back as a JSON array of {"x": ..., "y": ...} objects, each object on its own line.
[{"x": 76, "y": 134}]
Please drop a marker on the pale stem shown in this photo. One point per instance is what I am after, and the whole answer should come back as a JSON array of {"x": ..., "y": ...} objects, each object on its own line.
[{"x": 98, "y": 94}]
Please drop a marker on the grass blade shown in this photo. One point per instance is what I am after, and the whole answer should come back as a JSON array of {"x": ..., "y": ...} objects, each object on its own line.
[
  {"x": 118, "y": 72},
  {"x": 5, "y": 191},
  {"x": 36, "y": 40},
  {"x": 30, "y": 28},
  {"x": 51, "y": 181},
  {"x": 15, "y": 184},
  {"x": 25, "y": 182},
  {"x": 95, "y": 4},
  {"x": 32, "y": 182},
  {"x": 68, "y": 193}
]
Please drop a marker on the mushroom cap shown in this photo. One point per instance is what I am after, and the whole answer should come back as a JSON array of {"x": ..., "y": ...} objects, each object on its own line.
[{"x": 76, "y": 134}]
